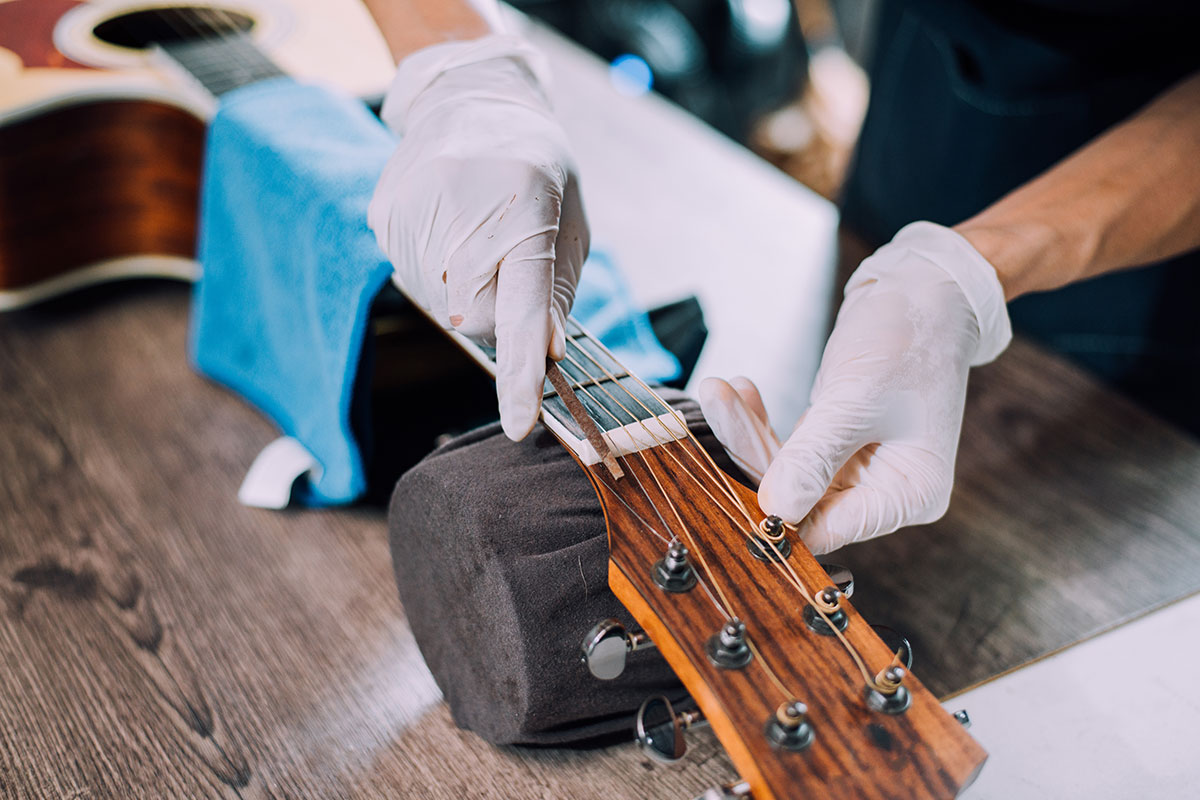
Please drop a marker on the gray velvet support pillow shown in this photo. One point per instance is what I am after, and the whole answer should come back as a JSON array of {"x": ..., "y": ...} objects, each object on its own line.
[{"x": 501, "y": 560}]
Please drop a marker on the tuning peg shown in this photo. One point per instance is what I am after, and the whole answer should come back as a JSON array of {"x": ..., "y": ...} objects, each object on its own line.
[
  {"x": 963, "y": 717},
  {"x": 660, "y": 728},
  {"x": 730, "y": 791},
  {"x": 842, "y": 578},
  {"x": 607, "y": 647},
  {"x": 727, "y": 648},
  {"x": 771, "y": 544},
  {"x": 674, "y": 572},
  {"x": 829, "y": 601},
  {"x": 889, "y": 695},
  {"x": 789, "y": 727},
  {"x": 765, "y": 550}
]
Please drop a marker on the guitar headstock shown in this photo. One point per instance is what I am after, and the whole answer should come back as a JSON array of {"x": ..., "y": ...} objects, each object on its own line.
[{"x": 855, "y": 732}]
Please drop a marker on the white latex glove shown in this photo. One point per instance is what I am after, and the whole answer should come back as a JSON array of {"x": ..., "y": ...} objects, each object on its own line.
[
  {"x": 479, "y": 207},
  {"x": 875, "y": 449}
]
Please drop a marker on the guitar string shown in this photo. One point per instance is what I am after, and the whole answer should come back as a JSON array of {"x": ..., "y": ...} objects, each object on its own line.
[
  {"x": 233, "y": 31},
  {"x": 657, "y": 512},
  {"x": 723, "y": 610},
  {"x": 780, "y": 563},
  {"x": 728, "y": 610},
  {"x": 657, "y": 534},
  {"x": 728, "y": 490},
  {"x": 650, "y": 502},
  {"x": 190, "y": 29},
  {"x": 210, "y": 16},
  {"x": 642, "y": 488},
  {"x": 651, "y": 434}
]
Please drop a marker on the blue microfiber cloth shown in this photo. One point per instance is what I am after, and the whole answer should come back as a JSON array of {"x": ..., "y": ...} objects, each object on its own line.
[{"x": 290, "y": 269}]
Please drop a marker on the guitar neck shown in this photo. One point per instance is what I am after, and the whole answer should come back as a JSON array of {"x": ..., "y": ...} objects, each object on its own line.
[
  {"x": 222, "y": 63},
  {"x": 631, "y": 417}
]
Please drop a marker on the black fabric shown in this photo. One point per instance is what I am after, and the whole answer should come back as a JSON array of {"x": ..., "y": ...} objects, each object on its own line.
[
  {"x": 972, "y": 99},
  {"x": 501, "y": 560}
]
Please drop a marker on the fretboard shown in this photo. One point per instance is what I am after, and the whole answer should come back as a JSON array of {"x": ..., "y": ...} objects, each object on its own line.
[
  {"x": 222, "y": 63},
  {"x": 630, "y": 415}
]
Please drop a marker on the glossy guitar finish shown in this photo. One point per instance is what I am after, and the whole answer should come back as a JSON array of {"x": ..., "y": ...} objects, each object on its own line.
[
  {"x": 94, "y": 191},
  {"x": 101, "y": 144},
  {"x": 922, "y": 753}
]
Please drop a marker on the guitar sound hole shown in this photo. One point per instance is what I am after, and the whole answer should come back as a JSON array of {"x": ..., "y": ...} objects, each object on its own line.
[{"x": 148, "y": 26}]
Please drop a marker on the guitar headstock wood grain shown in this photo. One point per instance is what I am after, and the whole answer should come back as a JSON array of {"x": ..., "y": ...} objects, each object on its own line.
[{"x": 673, "y": 491}]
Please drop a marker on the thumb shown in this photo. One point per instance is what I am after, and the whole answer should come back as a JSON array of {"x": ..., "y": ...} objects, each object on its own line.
[
  {"x": 822, "y": 443},
  {"x": 897, "y": 488},
  {"x": 849, "y": 516}
]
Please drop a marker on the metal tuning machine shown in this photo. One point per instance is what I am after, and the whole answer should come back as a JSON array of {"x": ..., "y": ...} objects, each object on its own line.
[
  {"x": 607, "y": 646},
  {"x": 831, "y": 615},
  {"x": 674, "y": 572},
  {"x": 770, "y": 544},
  {"x": 728, "y": 648},
  {"x": 789, "y": 728},
  {"x": 896, "y": 642},
  {"x": 891, "y": 697},
  {"x": 659, "y": 729}
]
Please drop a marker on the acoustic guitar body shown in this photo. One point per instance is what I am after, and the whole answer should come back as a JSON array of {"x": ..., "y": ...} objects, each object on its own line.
[{"x": 102, "y": 135}]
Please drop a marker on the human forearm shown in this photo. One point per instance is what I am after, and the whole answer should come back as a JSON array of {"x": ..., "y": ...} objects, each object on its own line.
[
  {"x": 1130, "y": 197},
  {"x": 409, "y": 25}
]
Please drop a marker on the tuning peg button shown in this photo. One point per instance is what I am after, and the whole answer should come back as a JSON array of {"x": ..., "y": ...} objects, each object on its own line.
[
  {"x": 896, "y": 642},
  {"x": 659, "y": 728},
  {"x": 607, "y": 646}
]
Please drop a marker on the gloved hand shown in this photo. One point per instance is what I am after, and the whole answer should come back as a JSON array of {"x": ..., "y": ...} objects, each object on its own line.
[
  {"x": 479, "y": 208},
  {"x": 875, "y": 449}
]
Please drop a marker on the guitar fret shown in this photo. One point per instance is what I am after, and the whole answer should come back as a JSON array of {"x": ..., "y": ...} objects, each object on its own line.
[
  {"x": 630, "y": 415},
  {"x": 224, "y": 63},
  {"x": 589, "y": 384}
]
